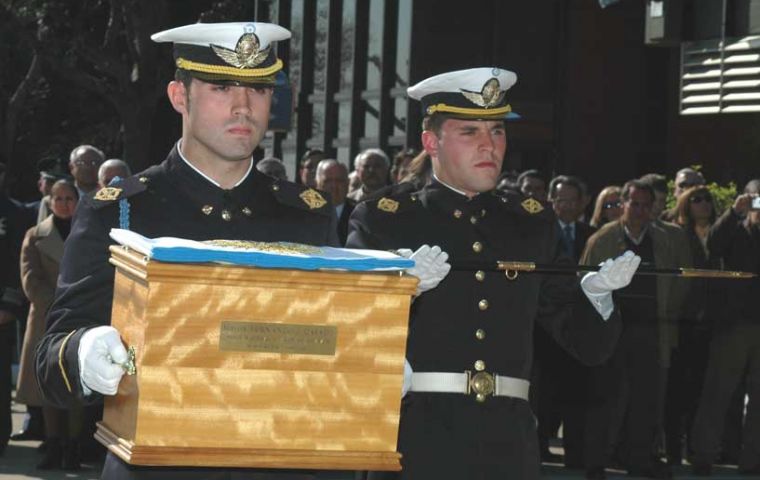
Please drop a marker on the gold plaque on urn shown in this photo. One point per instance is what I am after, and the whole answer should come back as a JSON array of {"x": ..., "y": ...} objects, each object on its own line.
[{"x": 278, "y": 338}]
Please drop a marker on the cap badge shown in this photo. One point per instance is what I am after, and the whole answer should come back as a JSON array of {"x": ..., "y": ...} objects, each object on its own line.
[
  {"x": 387, "y": 205},
  {"x": 490, "y": 96},
  {"x": 312, "y": 198},
  {"x": 246, "y": 53},
  {"x": 532, "y": 206},
  {"x": 107, "y": 194}
]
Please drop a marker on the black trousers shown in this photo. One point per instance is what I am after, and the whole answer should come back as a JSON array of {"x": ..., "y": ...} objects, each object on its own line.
[
  {"x": 7, "y": 339},
  {"x": 734, "y": 355},
  {"x": 452, "y": 437},
  {"x": 625, "y": 387},
  {"x": 685, "y": 378},
  {"x": 560, "y": 382}
]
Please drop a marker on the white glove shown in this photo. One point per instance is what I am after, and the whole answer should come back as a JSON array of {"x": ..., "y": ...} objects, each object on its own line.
[
  {"x": 429, "y": 266},
  {"x": 407, "y": 385},
  {"x": 613, "y": 275},
  {"x": 101, "y": 355}
]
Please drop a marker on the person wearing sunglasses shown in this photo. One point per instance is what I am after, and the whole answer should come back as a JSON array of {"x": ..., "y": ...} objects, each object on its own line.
[
  {"x": 687, "y": 178},
  {"x": 735, "y": 344},
  {"x": 695, "y": 213},
  {"x": 608, "y": 206}
]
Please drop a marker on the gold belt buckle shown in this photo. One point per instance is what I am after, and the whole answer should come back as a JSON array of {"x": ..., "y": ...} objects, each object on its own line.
[{"x": 482, "y": 384}]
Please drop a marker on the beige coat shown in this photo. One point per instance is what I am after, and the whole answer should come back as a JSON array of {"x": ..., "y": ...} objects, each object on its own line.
[
  {"x": 40, "y": 259},
  {"x": 671, "y": 250}
]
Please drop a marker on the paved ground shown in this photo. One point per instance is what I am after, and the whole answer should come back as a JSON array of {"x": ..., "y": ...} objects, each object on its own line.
[{"x": 20, "y": 458}]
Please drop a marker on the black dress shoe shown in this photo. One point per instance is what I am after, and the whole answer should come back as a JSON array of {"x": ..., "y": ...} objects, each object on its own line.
[
  {"x": 675, "y": 460},
  {"x": 53, "y": 455},
  {"x": 699, "y": 469},
  {"x": 658, "y": 470},
  {"x": 26, "y": 435},
  {"x": 596, "y": 473},
  {"x": 750, "y": 471},
  {"x": 92, "y": 451},
  {"x": 71, "y": 461},
  {"x": 550, "y": 457}
]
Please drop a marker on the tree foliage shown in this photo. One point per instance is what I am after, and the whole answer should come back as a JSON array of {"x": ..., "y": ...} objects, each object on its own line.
[{"x": 86, "y": 71}]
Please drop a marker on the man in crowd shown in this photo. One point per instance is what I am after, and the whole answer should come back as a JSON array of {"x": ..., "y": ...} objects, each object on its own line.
[
  {"x": 566, "y": 196},
  {"x": 685, "y": 179},
  {"x": 332, "y": 177},
  {"x": 84, "y": 162},
  {"x": 206, "y": 188},
  {"x": 273, "y": 167},
  {"x": 561, "y": 395},
  {"x": 372, "y": 167},
  {"x": 15, "y": 219},
  {"x": 308, "y": 168},
  {"x": 51, "y": 170},
  {"x": 670, "y": 327},
  {"x": 532, "y": 184},
  {"x": 466, "y": 414},
  {"x": 401, "y": 162},
  {"x": 632, "y": 376},
  {"x": 735, "y": 347},
  {"x": 660, "y": 186},
  {"x": 111, "y": 168}
]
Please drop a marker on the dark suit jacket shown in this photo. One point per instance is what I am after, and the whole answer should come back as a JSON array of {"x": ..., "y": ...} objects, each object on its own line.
[
  {"x": 582, "y": 233},
  {"x": 348, "y": 207}
]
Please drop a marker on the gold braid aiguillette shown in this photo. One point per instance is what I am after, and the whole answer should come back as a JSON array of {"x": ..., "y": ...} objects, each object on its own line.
[{"x": 270, "y": 247}]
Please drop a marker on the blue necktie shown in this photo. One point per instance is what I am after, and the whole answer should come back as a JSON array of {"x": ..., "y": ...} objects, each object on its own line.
[{"x": 567, "y": 240}]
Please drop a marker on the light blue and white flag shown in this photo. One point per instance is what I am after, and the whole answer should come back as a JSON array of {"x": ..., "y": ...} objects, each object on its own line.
[{"x": 260, "y": 254}]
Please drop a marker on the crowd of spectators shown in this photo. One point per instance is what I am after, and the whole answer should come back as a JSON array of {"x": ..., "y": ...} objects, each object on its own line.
[{"x": 675, "y": 389}]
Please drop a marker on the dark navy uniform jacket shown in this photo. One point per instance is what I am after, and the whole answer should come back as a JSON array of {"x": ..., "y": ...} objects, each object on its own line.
[
  {"x": 489, "y": 227},
  {"x": 170, "y": 199}
]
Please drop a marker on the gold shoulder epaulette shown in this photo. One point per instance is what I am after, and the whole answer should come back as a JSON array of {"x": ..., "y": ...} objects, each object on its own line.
[
  {"x": 387, "y": 205},
  {"x": 532, "y": 206},
  {"x": 301, "y": 197}
]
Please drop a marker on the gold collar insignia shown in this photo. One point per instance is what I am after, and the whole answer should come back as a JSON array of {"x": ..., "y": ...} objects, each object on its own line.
[
  {"x": 491, "y": 94},
  {"x": 246, "y": 53},
  {"x": 532, "y": 206},
  {"x": 107, "y": 194},
  {"x": 312, "y": 198},
  {"x": 387, "y": 205}
]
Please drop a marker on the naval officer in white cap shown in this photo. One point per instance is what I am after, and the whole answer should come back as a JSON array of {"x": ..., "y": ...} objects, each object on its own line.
[
  {"x": 206, "y": 188},
  {"x": 466, "y": 413}
]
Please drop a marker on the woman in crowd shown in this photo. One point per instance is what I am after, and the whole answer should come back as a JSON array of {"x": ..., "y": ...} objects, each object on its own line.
[
  {"x": 401, "y": 162},
  {"x": 695, "y": 213},
  {"x": 608, "y": 207},
  {"x": 40, "y": 258}
]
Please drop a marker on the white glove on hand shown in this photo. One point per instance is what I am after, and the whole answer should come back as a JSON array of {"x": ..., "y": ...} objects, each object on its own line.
[
  {"x": 613, "y": 275},
  {"x": 429, "y": 266},
  {"x": 407, "y": 385},
  {"x": 101, "y": 355}
]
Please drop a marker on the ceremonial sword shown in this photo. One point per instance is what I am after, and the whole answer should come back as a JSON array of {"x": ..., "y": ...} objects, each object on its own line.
[{"x": 512, "y": 269}]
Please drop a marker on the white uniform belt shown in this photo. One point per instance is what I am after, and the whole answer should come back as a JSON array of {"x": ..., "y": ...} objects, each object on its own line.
[{"x": 445, "y": 382}]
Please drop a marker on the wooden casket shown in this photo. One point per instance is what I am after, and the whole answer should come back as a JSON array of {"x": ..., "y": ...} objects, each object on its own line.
[{"x": 250, "y": 367}]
